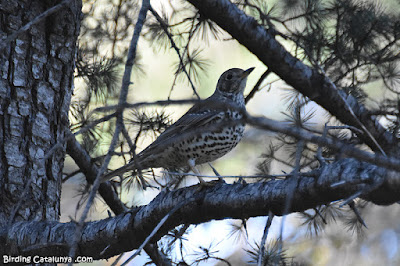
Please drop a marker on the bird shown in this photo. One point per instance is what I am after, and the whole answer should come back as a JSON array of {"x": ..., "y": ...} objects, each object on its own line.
[{"x": 207, "y": 131}]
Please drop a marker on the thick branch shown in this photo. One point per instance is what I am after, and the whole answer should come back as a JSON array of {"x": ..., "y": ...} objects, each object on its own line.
[
  {"x": 339, "y": 146},
  {"x": 106, "y": 191},
  {"x": 122, "y": 99},
  {"x": 303, "y": 78},
  {"x": 108, "y": 237},
  {"x": 84, "y": 162}
]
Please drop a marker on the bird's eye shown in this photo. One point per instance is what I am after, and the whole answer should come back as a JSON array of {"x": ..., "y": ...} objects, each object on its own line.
[{"x": 229, "y": 77}]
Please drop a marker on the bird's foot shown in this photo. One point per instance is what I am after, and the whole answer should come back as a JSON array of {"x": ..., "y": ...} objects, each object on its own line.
[{"x": 203, "y": 184}]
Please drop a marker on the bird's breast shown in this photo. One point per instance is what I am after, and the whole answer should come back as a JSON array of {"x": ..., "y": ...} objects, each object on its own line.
[{"x": 209, "y": 145}]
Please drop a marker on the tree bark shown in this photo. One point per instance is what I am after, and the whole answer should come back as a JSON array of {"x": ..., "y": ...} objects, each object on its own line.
[
  {"x": 35, "y": 88},
  {"x": 36, "y": 83},
  {"x": 106, "y": 238}
]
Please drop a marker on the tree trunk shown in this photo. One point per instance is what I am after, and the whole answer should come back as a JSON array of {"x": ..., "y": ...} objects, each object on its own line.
[{"x": 35, "y": 91}]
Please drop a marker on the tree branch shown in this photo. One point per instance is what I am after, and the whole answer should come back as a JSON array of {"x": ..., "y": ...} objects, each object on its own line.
[
  {"x": 165, "y": 28},
  {"x": 127, "y": 231},
  {"x": 303, "y": 78},
  {"x": 336, "y": 145},
  {"x": 106, "y": 191},
  {"x": 84, "y": 162}
]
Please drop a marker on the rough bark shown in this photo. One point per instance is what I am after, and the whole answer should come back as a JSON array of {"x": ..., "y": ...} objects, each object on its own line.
[
  {"x": 107, "y": 192},
  {"x": 108, "y": 237},
  {"x": 36, "y": 84}
]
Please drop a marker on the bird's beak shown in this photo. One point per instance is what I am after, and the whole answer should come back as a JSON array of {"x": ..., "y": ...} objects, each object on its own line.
[{"x": 247, "y": 72}]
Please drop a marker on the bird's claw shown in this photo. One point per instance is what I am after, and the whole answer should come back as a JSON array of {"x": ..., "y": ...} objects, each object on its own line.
[{"x": 203, "y": 184}]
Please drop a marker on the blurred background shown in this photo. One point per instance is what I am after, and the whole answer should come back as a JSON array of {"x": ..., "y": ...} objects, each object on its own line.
[{"x": 106, "y": 32}]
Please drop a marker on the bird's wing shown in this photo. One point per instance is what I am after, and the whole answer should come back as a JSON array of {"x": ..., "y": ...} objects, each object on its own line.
[{"x": 195, "y": 118}]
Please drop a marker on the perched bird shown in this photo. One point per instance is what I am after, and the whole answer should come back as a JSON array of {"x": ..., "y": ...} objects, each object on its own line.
[{"x": 196, "y": 137}]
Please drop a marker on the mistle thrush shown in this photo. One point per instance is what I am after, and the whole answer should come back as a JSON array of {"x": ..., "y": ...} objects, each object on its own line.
[{"x": 197, "y": 138}]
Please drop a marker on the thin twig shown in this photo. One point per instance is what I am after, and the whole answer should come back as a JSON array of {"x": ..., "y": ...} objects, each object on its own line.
[
  {"x": 257, "y": 86},
  {"x": 351, "y": 198},
  {"x": 117, "y": 259},
  {"x": 293, "y": 185},
  {"x": 155, "y": 230},
  {"x": 70, "y": 175},
  {"x": 228, "y": 176},
  {"x": 117, "y": 108},
  {"x": 88, "y": 126},
  {"x": 357, "y": 213},
  {"x": 165, "y": 28},
  {"x": 351, "y": 128},
  {"x": 214, "y": 170},
  {"x": 319, "y": 156},
  {"x": 20, "y": 201},
  {"x": 122, "y": 99},
  {"x": 336, "y": 145},
  {"x": 361, "y": 192},
  {"x": 27, "y": 26},
  {"x": 348, "y": 107},
  {"x": 264, "y": 239},
  {"x": 125, "y": 133},
  {"x": 121, "y": 107}
]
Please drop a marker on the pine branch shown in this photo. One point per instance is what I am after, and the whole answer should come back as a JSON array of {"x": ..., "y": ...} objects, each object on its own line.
[
  {"x": 84, "y": 162},
  {"x": 122, "y": 100},
  {"x": 310, "y": 82},
  {"x": 334, "y": 144},
  {"x": 106, "y": 191},
  {"x": 130, "y": 229}
]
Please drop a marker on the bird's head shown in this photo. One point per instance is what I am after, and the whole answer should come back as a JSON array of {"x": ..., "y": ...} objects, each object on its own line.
[{"x": 233, "y": 81}]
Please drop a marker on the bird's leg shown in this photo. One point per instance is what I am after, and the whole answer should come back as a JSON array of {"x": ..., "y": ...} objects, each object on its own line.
[
  {"x": 192, "y": 165},
  {"x": 216, "y": 172},
  {"x": 202, "y": 183}
]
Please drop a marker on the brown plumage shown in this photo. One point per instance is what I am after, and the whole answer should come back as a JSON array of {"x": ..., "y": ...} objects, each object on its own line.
[{"x": 196, "y": 137}]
